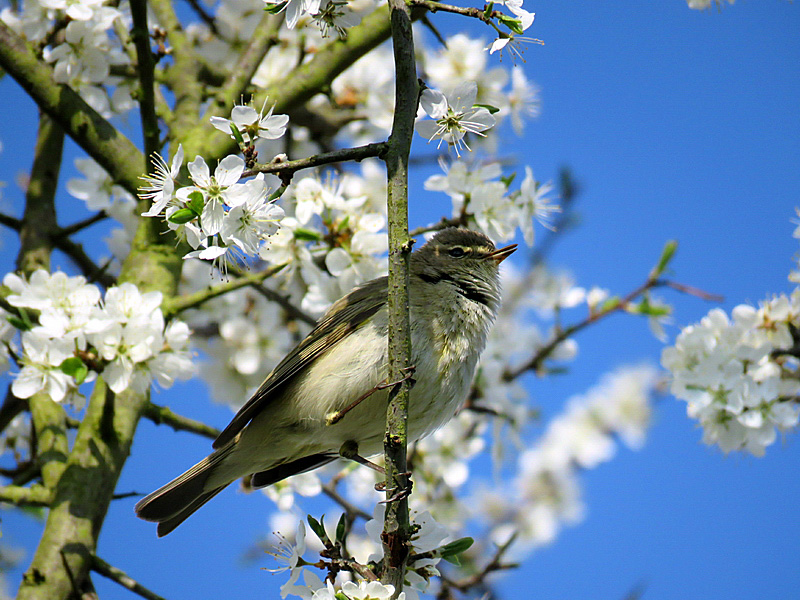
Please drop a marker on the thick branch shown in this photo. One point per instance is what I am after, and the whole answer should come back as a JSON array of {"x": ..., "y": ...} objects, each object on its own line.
[
  {"x": 301, "y": 84},
  {"x": 397, "y": 525},
  {"x": 36, "y": 495},
  {"x": 264, "y": 38},
  {"x": 39, "y": 218},
  {"x": 112, "y": 150},
  {"x": 82, "y": 496}
]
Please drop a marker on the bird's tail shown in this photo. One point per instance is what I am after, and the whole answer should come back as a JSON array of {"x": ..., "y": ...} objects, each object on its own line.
[{"x": 171, "y": 504}]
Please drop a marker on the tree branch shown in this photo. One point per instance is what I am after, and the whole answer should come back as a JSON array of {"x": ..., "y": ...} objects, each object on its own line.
[
  {"x": 147, "y": 99},
  {"x": 101, "y": 140},
  {"x": 264, "y": 38},
  {"x": 162, "y": 415},
  {"x": 285, "y": 169},
  {"x": 301, "y": 84},
  {"x": 397, "y": 524},
  {"x": 122, "y": 578},
  {"x": 36, "y": 495},
  {"x": 181, "y": 303}
]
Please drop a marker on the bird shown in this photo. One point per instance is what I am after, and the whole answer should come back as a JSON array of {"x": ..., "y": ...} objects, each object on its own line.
[{"x": 330, "y": 391}]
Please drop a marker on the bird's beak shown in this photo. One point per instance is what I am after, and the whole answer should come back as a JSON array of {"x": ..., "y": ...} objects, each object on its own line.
[{"x": 501, "y": 254}]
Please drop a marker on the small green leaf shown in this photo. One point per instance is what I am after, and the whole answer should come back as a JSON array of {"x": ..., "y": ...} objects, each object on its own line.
[
  {"x": 513, "y": 24},
  {"x": 508, "y": 179},
  {"x": 20, "y": 324},
  {"x": 75, "y": 368},
  {"x": 181, "y": 216},
  {"x": 450, "y": 552},
  {"x": 318, "y": 528},
  {"x": 274, "y": 9},
  {"x": 666, "y": 255},
  {"x": 196, "y": 202},
  {"x": 340, "y": 596},
  {"x": 307, "y": 235},
  {"x": 456, "y": 547},
  {"x": 609, "y": 304},
  {"x": 487, "y": 12},
  {"x": 341, "y": 529},
  {"x": 489, "y": 107},
  {"x": 237, "y": 135}
]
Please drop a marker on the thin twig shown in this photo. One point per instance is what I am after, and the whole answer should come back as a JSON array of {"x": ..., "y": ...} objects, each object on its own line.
[
  {"x": 10, "y": 222},
  {"x": 493, "y": 565},
  {"x": 178, "y": 305},
  {"x": 81, "y": 225},
  {"x": 162, "y": 415},
  {"x": 350, "y": 509},
  {"x": 114, "y": 574},
  {"x": 286, "y": 169}
]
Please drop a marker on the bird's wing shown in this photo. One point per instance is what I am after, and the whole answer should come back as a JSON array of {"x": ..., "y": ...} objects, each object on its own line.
[{"x": 346, "y": 315}]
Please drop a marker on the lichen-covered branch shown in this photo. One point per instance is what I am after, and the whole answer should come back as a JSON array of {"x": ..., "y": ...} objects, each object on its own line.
[
  {"x": 82, "y": 495},
  {"x": 397, "y": 526},
  {"x": 101, "y": 140},
  {"x": 36, "y": 495},
  {"x": 230, "y": 92},
  {"x": 302, "y": 83}
]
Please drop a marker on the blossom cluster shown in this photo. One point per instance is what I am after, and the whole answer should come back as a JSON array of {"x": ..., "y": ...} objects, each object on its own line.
[
  {"x": 84, "y": 57},
  {"x": 481, "y": 197},
  {"x": 739, "y": 374},
  {"x": 429, "y": 543},
  {"x": 546, "y": 492},
  {"x": 217, "y": 215},
  {"x": 78, "y": 336}
]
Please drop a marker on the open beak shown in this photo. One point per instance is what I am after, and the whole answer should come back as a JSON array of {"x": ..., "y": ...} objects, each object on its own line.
[{"x": 501, "y": 254}]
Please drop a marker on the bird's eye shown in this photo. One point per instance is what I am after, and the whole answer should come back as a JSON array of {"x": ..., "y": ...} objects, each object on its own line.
[{"x": 457, "y": 252}]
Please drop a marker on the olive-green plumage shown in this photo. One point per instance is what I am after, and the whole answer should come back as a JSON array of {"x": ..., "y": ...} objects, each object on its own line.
[{"x": 284, "y": 429}]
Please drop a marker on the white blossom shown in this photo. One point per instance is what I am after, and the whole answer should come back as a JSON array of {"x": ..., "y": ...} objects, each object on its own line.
[{"x": 453, "y": 116}]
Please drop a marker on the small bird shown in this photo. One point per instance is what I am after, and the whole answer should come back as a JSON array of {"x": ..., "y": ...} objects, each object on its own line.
[{"x": 330, "y": 392}]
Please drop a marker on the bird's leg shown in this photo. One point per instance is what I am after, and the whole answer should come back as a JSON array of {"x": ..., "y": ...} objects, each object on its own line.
[
  {"x": 349, "y": 450},
  {"x": 337, "y": 416}
]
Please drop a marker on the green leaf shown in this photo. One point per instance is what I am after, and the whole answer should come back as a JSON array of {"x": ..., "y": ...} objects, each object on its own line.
[
  {"x": 508, "y": 179},
  {"x": 21, "y": 324},
  {"x": 450, "y": 552},
  {"x": 196, "y": 202},
  {"x": 181, "y": 216},
  {"x": 307, "y": 235},
  {"x": 274, "y": 9},
  {"x": 489, "y": 107},
  {"x": 487, "y": 12},
  {"x": 319, "y": 529},
  {"x": 513, "y": 24},
  {"x": 237, "y": 135},
  {"x": 666, "y": 255},
  {"x": 74, "y": 367},
  {"x": 341, "y": 529},
  {"x": 609, "y": 304},
  {"x": 456, "y": 547}
]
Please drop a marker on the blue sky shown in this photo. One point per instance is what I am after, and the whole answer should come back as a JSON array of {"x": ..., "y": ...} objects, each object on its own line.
[{"x": 676, "y": 124}]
